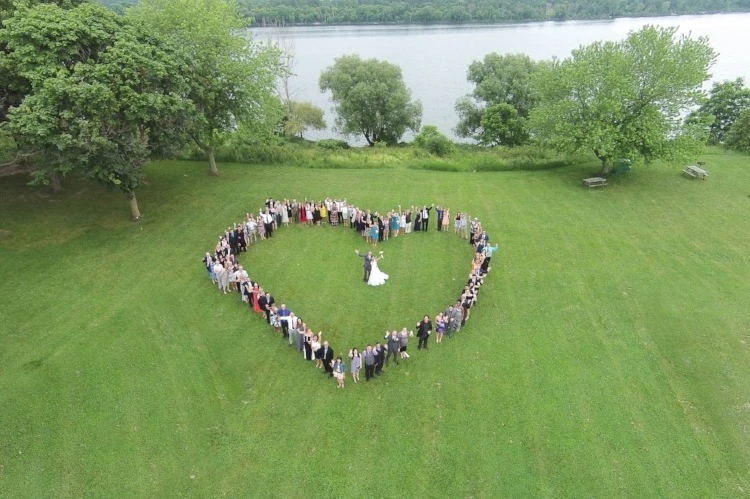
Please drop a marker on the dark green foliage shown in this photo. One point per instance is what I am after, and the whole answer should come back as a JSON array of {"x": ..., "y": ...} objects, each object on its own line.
[
  {"x": 738, "y": 137},
  {"x": 496, "y": 110},
  {"x": 371, "y": 98},
  {"x": 727, "y": 101},
  {"x": 291, "y": 12},
  {"x": 332, "y": 144},
  {"x": 431, "y": 140}
]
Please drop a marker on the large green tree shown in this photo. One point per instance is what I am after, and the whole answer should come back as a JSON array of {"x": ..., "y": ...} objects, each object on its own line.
[
  {"x": 727, "y": 100},
  {"x": 232, "y": 78},
  {"x": 104, "y": 96},
  {"x": 371, "y": 99},
  {"x": 498, "y": 79},
  {"x": 625, "y": 99},
  {"x": 738, "y": 137}
]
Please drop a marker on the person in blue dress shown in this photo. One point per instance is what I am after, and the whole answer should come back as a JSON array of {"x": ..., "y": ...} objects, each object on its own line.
[
  {"x": 374, "y": 233},
  {"x": 395, "y": 225}
]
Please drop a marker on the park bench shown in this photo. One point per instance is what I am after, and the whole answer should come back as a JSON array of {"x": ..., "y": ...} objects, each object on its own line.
[{"x": 595, "y": 181}]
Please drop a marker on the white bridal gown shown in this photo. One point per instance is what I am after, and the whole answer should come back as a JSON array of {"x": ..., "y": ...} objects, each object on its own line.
[{"x": 377, "y": 277}]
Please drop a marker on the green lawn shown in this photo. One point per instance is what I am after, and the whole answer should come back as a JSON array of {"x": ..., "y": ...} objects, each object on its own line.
[{"x": 609, "y": 354}]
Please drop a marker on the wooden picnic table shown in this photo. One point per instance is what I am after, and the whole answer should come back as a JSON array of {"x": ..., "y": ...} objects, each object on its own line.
[
  {"x": 695, "y": 171},
  {"x": 595, "y": 182}
]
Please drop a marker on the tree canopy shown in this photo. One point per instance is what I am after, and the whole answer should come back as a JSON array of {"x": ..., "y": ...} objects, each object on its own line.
[
  {"x": 232, "y": 79},
  {"x": 625, "y": 99},
  {"x": 371, "y": 98},
  {"x": 728, "y": 99},
  {"x": 302, "y": 116},
  {"x": 498, "y": 79},
  {"x": 104, "y": 95}
]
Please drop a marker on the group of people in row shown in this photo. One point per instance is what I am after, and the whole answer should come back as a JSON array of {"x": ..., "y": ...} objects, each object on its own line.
[{"x": 229, "y": 275}]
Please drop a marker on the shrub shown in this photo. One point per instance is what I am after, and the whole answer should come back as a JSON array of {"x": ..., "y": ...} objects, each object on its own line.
[
  {"x": 332, "y": 144},
  {"x": 738, "y": 137},
  {"x": 433, "y": 141}
]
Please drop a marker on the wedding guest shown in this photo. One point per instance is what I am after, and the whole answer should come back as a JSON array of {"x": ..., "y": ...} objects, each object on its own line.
[
  {"x": 301, "y": 328},
  {"x": 426, "y": 217},
  {"x": 309, "y": 353},
  {"x": 208, "y": 262},
  {"x": 273, "y": 315},
  {"x": 439, "y": 220},
  {"x": 454, "y": 316},
  {"x": 488, "y": 252},
  {"x": 268, "y": 221},
  {"x": 379, "y": 358},
  {"x": 284, "y": 314},
  {"x": 403, "y": 338},
  {"x": 457, "y": 223},
  {"x": 446, "y": 219},
  {"x": 295, "y": 211},
  {"x": 439, "y": 327},
  {"x": 327, "y": 358},
  {"x": 338, "y": 371},
  {"x": 317, "y": 350},
  {"x": 375, "y": 233},
  {"x": 256, "y": 293},
  {"x": 407, "y": 222},
  {"x": 424, "y": 329},
  {"x": 395, "y": 224},
  {"x": 291, "y": 333},
  {"x": 356, "y": 364},
  {"x": 368, "y": 356},
  {"x": 393, "y": 346},
  {"x": 418, "y": 221}
]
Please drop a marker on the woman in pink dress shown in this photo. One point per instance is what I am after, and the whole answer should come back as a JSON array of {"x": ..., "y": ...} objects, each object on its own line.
[{"x": 446, "y": 219}]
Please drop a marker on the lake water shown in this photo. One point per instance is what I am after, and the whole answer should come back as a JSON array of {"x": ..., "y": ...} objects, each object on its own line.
[{"x": 434, "y": 59}]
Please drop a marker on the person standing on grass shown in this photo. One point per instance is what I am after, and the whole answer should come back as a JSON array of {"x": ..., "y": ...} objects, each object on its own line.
[
  {"x": 284, "y": 314},
  {"x": 367, "y": 263},
  {"x": 439, "y": 327},
  {"x": 317, "y": 350},
  {"x": 356, "y": 363},
  {"x": 403, "y": 339},
  {"x": 338, "y": 370},
  {"x": 301, "y": 328},
  {"x": 379, "y": 358},
  {"x": 394, "y": 345},
  {"x": 424, "y": 329},
  {"x": 368, "y": 356},
  {"x": 446, "y": 219},
  {"x": 327, "y": 357},
  {"x": 439, "y": 220},
  {"x": 267, "y": 223},
  {"x": 426, "y": 217},
  {"x": 291, "y": 328}
]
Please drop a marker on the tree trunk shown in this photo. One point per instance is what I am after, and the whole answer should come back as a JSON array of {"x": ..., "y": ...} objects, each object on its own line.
[
  {"x": 135, "y": 213},
  {"x": 55, "y": 182},
  {"x": 606, "y": 168},
  {"x": 212, "y": 170}
]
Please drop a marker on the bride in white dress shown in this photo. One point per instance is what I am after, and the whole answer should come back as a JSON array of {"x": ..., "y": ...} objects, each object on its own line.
[{"x": 377, "y": 276}]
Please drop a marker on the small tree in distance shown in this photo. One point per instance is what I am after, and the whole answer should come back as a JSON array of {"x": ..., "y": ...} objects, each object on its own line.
[{"x": 371, "y": 99}]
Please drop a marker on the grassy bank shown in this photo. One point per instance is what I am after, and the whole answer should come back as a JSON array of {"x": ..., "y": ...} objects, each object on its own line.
[{"x": 608, "y": 355}]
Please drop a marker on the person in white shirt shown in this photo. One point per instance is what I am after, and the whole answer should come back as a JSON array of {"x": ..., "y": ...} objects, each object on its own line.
[{"x": 268, "y": 222}]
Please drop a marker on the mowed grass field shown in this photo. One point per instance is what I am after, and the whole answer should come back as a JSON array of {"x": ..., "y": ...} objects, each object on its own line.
[{"x": 609, "y": 355}]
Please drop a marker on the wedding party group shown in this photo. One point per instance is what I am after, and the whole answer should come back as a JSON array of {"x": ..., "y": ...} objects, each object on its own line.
[{"x": 225, "y": 271}]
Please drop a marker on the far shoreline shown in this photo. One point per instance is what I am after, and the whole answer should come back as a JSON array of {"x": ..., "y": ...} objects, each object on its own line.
[{"x": 490, "y": 23}]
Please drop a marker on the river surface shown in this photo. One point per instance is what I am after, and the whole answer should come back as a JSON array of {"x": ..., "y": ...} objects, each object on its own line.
[{"x": 434, "y": 59}]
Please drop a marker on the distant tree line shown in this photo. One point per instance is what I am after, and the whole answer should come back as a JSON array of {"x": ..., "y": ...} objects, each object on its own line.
[{"x": 310, "y": 12}]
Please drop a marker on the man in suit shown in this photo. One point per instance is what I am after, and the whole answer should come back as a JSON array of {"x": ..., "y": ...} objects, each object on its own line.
[
  {"x": 379, "y": 358},
  {"x": 367, "y": 263},
  {"x": 394, "y": 345},
  {"x": 327, "y": 359},
  {"x": 426, "y": 217}
]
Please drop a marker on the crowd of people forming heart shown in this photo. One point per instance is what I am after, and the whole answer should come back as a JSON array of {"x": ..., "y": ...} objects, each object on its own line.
[{"x": 228, "y": 274}]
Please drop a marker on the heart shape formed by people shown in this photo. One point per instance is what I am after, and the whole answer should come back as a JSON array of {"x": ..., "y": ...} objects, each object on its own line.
[{"x": 315, "y": 272}]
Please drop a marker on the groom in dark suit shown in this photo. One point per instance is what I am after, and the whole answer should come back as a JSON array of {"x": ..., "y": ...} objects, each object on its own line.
[
  {"x": 367, "y": 263},
  {"x": 327, "y": 359}
]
